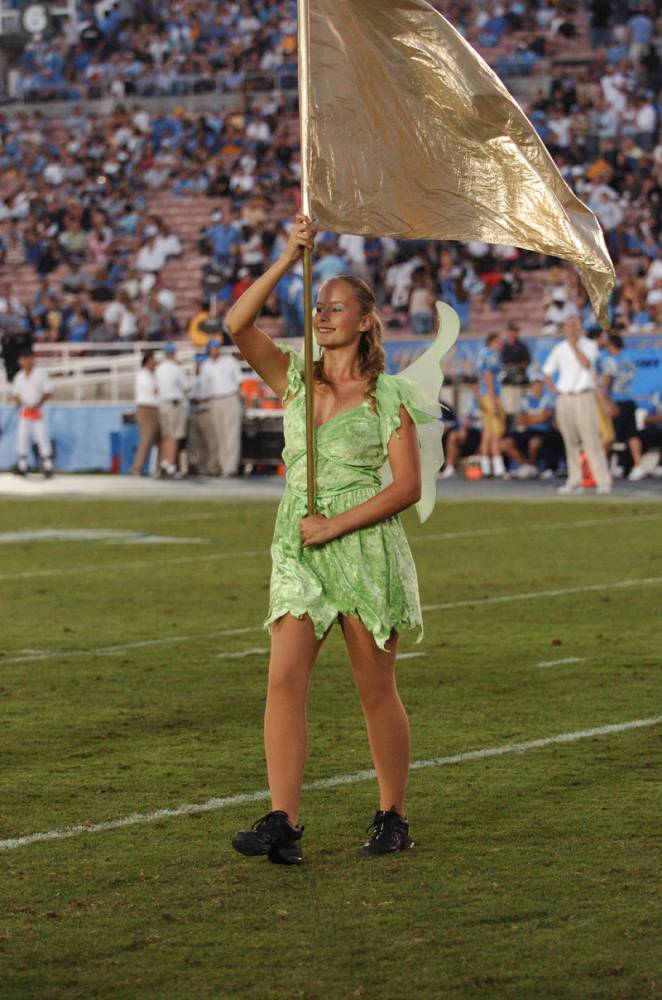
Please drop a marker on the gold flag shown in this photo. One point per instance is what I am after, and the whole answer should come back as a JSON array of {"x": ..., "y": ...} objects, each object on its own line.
[{"x": 407, "y": 132}]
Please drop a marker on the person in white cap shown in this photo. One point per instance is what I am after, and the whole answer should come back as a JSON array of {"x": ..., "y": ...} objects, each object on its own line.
[
  {"x": 32, "y": 388},
  {"x": 558, "y": 311},
  {"x": 573, "y": 361},
  {"x": 220, "y": 378}
]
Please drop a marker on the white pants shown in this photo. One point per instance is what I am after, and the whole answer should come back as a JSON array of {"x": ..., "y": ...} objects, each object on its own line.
[
  {"x": 27, "y": 429},
  {"x": 577, "y": 419},
  {"x": 225, "y": 424}
]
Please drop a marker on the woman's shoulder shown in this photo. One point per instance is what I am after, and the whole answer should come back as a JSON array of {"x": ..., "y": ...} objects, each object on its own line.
[{"x": 394, "y": 389}]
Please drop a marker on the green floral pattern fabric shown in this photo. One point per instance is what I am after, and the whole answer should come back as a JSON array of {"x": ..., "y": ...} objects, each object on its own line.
[{"x": 369, "y": 573}]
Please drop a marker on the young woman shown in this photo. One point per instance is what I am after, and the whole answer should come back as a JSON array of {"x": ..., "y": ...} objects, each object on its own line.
[{"x": 348, "y": 562}]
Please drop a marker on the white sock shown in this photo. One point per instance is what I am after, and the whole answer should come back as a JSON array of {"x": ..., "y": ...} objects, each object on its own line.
[
  {"x": 497, "y": 465},
  {"x": 485, "y": 466}
]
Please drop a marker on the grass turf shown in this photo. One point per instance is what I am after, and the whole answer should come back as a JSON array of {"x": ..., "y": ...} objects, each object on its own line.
[{"x": 535, "y": 875}]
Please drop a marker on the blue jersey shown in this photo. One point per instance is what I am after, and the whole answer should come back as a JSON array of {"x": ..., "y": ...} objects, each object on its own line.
[
  {"x": 488, "y": 360},
  {"x": 532, "y": 406},
  {"x": 623, "y": 372}
]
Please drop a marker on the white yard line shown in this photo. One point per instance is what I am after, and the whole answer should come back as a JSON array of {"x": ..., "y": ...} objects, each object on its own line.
[
  {"x": 560, "y": 663},
  {"x": 243, "y": 652},
  {"x": 213, "y": 805},
  {"x": 106, "y": 536},
  {"x": 134, "y": 564},
  {"x": 38, "y": 655},
  {"x": 531, "y": 595},
  {"x": 184, "y": 560},
  {"x": 410, "y": 656},
  {"x": 521, "y": 528}
]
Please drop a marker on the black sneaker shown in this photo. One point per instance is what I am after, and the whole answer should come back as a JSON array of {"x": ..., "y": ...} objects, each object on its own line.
[
  {"x": 390, "y": 834},
  {"x": 274, "y": 836}
]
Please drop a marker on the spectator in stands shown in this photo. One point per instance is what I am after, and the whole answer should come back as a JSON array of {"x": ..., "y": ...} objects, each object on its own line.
[
  {"x": 221, "y": 239},
  {"x": 328, "y": 264},
  {"x": 100, "y": 331},
  {"x": 421, "y": 302},
  {"x": 558, "y": 312},
  {"x": 151, "y": 257},
  {"x": 171, "y": 393},
  {"x": 488, "y": 370},
  {"x": 79, "y": 324},
  {"x": 156, "y": 320},
  {"x": 220, "y": 379},
  {"x": 147, "y": 413},
  {"x": 573, "y": 360},
  {"x": 619, "y": 374}
]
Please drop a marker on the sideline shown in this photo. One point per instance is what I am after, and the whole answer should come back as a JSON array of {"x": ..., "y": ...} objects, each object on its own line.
[
  {"x": 212, "y": 805},
  {"x": 39, "y": 655},
  {"x": 250, "y": 553}
]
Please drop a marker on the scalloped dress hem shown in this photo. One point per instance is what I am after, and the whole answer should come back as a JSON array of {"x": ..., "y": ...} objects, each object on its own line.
[{"x": 381, "y": 635}]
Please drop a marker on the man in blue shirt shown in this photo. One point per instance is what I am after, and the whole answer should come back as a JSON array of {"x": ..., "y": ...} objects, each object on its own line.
[
  {"x": 224, "y": 238},
  {"x": 618, "y": 376},
  {"x": 535, "y": 439},
  {"x": 488, "y": 370}
]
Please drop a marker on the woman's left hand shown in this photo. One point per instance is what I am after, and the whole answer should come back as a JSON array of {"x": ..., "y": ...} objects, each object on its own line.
[{"x": 316, "y": 530}]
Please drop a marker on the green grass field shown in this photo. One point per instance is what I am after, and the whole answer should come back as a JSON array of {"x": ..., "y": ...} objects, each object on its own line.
[{"x": 536, "y": 873}]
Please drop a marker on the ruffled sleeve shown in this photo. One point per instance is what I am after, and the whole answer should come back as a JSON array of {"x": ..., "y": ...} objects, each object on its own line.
[
  {"x": 294, "y": 371},
  {"x": 418, "y": 389}
]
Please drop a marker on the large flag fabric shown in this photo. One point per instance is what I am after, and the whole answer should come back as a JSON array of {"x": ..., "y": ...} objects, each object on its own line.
[{"x": 407, "y": 132}]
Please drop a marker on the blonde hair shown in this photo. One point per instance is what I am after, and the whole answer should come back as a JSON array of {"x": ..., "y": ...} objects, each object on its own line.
[{"x": 371, "y": 352}]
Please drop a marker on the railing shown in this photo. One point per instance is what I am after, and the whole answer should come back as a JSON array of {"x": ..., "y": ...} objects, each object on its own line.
[{"x": 85, "y": 372}]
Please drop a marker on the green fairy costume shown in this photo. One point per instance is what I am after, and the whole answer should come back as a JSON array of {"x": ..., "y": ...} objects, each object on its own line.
[{"x": 368, "y": 573}]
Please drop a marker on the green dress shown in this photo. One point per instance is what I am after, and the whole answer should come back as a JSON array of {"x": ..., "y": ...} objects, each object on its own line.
[{"x": 368, "y": 573}]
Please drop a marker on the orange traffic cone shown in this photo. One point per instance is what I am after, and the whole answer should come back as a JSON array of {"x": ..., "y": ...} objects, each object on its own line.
[{"x": 587, "y": 476}]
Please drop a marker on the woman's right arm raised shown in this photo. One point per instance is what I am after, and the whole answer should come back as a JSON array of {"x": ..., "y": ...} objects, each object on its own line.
[{"x": 256, "y": 346}]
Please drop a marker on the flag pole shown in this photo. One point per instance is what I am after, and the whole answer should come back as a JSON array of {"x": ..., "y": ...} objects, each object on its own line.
[{"x": 304, "y": 91}]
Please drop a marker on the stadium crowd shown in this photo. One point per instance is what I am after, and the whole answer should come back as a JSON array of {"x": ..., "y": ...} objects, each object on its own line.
[
  {"x": 76, "y": 198},
  {"x": 166, "y": 49}
]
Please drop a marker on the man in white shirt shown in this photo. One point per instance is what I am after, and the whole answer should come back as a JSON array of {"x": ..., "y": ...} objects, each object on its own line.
[
  {"x": 220, "y": 378},
  {"x": 31, "y": 389},
  {"x": 150, "y": 258},
  {"x": 573, "y": 361},
  {"x": 147, "y": 414},
  {"x": 171, "y": 391}
]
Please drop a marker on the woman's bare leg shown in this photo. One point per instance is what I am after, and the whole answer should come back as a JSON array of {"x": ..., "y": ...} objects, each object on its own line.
[
  {"x": 294, "y": 650},
  {"x": 385, "y": 716}
]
